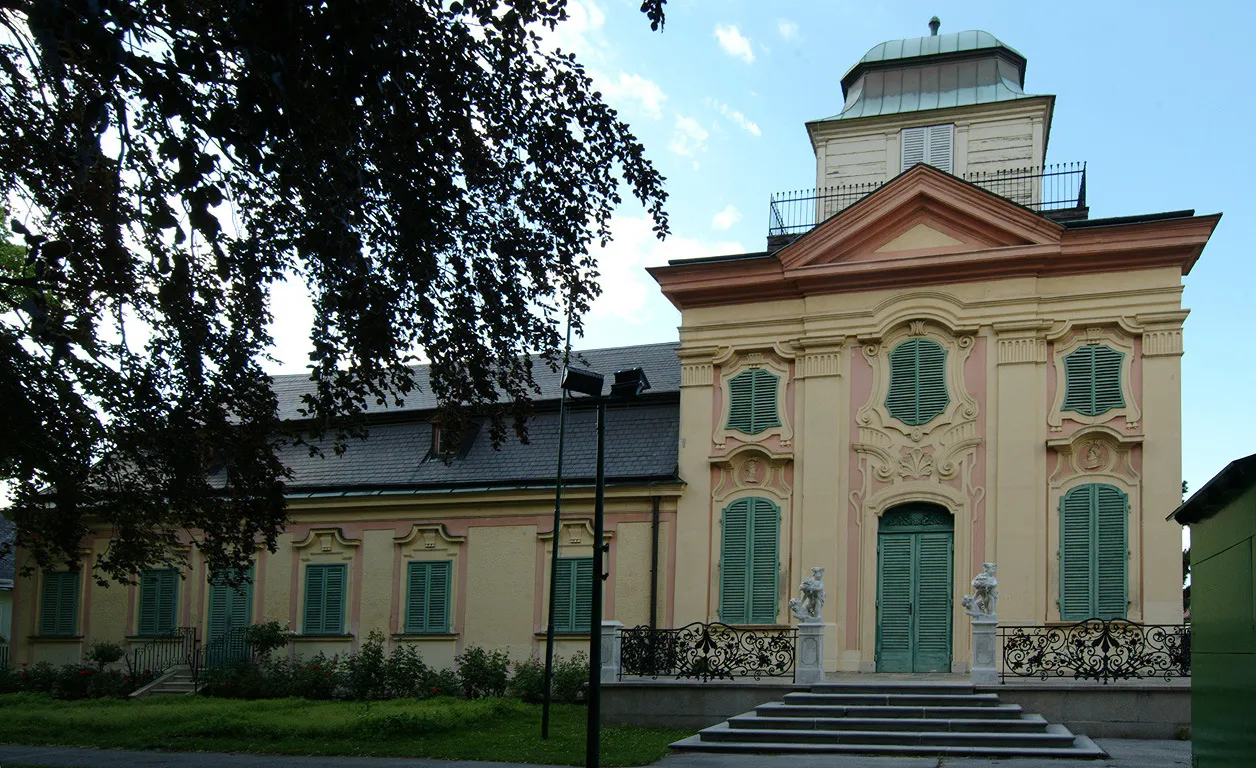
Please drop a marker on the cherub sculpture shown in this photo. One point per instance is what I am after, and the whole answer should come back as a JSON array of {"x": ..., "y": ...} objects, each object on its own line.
[
  {"x": 807, "y": 608},
  {"x": 986, "y": 592}
]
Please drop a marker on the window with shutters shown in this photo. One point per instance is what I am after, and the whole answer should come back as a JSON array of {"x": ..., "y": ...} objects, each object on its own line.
[
  {"x": 324, "y": 599},
  {"x": 573, "y": 595},
  {"x": 58, "y": 603},
  {"x": 1093, "y": 553},
  {"x": 931, "y": 144},
  {"x": 917, "y": 392},
  {"x": 427, "y": 596},
  {"x": 749, "y": 561},
  {"x": 159, "y": 601},
  {"x": 752, "y": 401},
  {"x": 1092, "y": 380}
]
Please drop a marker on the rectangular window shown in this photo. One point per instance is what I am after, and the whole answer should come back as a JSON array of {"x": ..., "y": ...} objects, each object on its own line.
[
  {"x": 159, "y": 591},
  {"x": 324, "y": 599},
  {"x": 58, "y": 603},
  {"x": 1093, "y": 553},
  {"x": 749, "y": 562},
  {"x": 931, "y": 144},
  {"x": 573, "y": 595},
  {"x": 427, "y": 597}
]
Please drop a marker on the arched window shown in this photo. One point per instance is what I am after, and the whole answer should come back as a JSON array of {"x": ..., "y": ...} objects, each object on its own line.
[
  {"x": 1092, "y": 380},
  {"x": 1093, "y": 553},
  {"x": 749, "y": 561},
  {"x": 917, "y": 382},
  {"x": 752, "y": 401}
]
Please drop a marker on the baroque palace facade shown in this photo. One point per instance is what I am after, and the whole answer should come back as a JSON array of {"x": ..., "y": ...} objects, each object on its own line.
[{"x": 940, "y": 361}]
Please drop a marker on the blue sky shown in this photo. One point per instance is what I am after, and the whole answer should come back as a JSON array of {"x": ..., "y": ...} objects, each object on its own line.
[{"x": 1153, "y": 96}]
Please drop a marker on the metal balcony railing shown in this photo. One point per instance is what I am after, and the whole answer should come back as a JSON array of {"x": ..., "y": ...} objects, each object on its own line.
[{"x": 1054, "y": 190}]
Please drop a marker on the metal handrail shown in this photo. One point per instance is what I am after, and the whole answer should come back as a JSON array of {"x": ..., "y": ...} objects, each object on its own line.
[
  {"x": 229, "y": 646},
  {"x": 708, "y": 652},
  {"x": 178, "y": 646},
  {"x": 1096, "y": 649}
]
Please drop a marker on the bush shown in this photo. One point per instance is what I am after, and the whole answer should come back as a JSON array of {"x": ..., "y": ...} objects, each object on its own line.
[
  {"x": 367, "y": 677},
  {"x": 406, "y": 675},
  {"x": 320, "y": 678},
  {"x": 571, "y": 677},
  {"x": 528, "y": 681},
  {"x": 267, "y": 638},
  {"x": 442, "y": 683},
  {"x": 103, "y": 654},
  {"x": 483, "y": 673}
]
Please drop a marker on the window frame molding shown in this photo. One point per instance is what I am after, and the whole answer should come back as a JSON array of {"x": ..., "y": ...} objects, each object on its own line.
[
  {"x": 779, "y": 363},
  {"x": 76, "y": 628},
  {"x": 1070, "y": 342},
  {"x": 139, "y": 602},
  {"x": 324, "y": 546},
  {"x": 427, "y": 542},
  {"x": 575, "y": 540}
]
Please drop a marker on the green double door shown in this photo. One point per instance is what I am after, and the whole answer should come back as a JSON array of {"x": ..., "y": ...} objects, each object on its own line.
[
  {"x": 229, "y": 608},
  {"x": 914, "y": 550}
]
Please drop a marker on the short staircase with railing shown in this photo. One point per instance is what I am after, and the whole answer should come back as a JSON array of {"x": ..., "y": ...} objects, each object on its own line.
[{"x": 166, "y": 662}]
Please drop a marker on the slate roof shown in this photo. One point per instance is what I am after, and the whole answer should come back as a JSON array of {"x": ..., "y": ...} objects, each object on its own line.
[
  {"x": 661, "y": 365},
  {"x": 641, "y": 438}
]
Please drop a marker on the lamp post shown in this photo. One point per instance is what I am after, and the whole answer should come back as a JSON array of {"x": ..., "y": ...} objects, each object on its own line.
[{"x": 627, "y": 384}]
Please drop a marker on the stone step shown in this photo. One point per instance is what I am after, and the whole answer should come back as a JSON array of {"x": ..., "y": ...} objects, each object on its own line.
[
  {"x": 1057, "y": 737},
  {"x": 783, "y": 709},
  {"x": 920, "y": 687},
  {"x": 1079, "y": 747},
  {"x": 895, "y": 699},
  {"x": 1026, "y": 724}
]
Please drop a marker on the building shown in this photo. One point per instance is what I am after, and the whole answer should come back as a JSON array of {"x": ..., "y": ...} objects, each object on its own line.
[
  {"x": 939, "y": 360},
  {"x": 1222, "y": 520}
]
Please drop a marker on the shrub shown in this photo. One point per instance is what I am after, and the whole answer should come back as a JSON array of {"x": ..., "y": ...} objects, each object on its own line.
[
  {"x": 266, "y": 638},
  {"x": 442, "y": 683},
  {"x": 483, "y": 673},
  {"x": 103, "y": 654},
  {"x": 571, "y": 677},
  {"x": 405, "y": 673},
  {"x": 366, "y": 673},
  {"x": 528, "y": 682},
  {"x": 319, "y": 678}
]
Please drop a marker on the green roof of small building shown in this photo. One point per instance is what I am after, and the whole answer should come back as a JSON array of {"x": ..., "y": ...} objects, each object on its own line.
[{"x": 955, "y": 42}]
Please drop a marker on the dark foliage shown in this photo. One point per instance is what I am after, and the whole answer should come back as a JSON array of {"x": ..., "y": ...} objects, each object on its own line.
[{"x": 430, "y": 170}]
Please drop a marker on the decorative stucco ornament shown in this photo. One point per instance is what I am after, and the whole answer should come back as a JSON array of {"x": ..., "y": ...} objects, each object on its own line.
[
  {"x": 986, "y": 589},
  {"x": 807, "y": 608}
]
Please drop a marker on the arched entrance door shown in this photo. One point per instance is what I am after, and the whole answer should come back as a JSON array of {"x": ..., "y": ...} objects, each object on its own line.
[{"x": 914, "y": 550}]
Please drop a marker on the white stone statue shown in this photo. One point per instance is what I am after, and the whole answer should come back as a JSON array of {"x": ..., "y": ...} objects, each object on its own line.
[
  {"x": 807, "y": 608},
  {"x": 986, "y": 592}
]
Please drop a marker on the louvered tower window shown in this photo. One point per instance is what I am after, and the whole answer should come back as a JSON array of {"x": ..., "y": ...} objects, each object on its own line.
[
  {"x": 427, "y": 597},
  {"x": 749, "y": 561},
  {"x": 1093, "y": 553},
  {"x": 573, "y": 595},
  {"x": 159, "y": 599},
  {"x": 58, "y": 603},
  {"x": 324, "y": 599},
  {"x": 1092, "y": 380},
  {"x": 932, "y": 144},
  {"x": 752, "y": 406},
  {"x": 917, "y": 382}
]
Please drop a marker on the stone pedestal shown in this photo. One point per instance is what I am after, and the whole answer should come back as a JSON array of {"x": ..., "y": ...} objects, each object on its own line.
[
  {"x": 610, "y": 650},
  {"x": 985, "y": 669},
  {"x": 809, "y": 661}
]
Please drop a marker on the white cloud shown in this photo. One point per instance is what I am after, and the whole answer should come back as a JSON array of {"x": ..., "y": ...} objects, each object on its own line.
[
  {"x": 688, "y": 138},
  {"x": 646, "y": 94},
  {"x": 580, "y": 33},
  {"x": 749, "y": 125},
  {"x": 734, "y": 43},
  {"x": 726, "y": 218},
  {"x": 630, "y": 297},
  {"x": 787, "y": 28}
]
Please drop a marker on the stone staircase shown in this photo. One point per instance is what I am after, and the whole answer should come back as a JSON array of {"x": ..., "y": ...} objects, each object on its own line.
[
  {"x": 893, "y": 718},
  {"x": 175, "y": 681}
]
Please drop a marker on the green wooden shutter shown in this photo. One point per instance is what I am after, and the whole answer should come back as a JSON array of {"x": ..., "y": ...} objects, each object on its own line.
[
  {"x": 58, "y": 610},
  {"x": 735, "y": 562},
  {"x": 894, "y": 602},
  {"x": 324, "y": 599},
  {"x": 933, "y": 603},
  {"x": 230, "y": 607},
  {"x": 158, "y": 601},
  {"x": 573, "y": 595},
  {"x": 1075, "y": 554},
  {"x": 427, "y": 598},
  {"x": 917, "y": 392},
  {"x": 564, "y": 577},
  {"x": 1092, "y": 380},
  {"x": 1111, "y": 552},
  {"x": 752, "y": 404},
  {"x": 764, "y": 561},
  {"x": 1107, "y": 383}
]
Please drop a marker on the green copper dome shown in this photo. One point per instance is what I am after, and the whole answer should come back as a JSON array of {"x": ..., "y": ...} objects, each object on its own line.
[{"x": 955, "y": 42}]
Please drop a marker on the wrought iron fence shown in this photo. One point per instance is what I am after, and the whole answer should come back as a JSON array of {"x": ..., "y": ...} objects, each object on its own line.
[
  {"x": 712, "y": 651},
  {"x": 4, "y": 656},
  {"x": 227, "y": 647},
  {"x": 1097, "y": 649},
  {"x": 1043, "y": 189},
  {"x": 162, "y": 652}
]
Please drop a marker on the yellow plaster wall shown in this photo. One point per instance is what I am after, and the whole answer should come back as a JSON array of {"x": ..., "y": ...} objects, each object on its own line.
[
  {"x": 632, "y": 573},
  {"x": 277, "y": 591},
  {"x": 501, "y": 588},
  {"x": 378, "y": 583}
]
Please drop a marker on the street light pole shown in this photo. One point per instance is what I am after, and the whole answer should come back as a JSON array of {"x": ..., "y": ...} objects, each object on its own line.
[{"x": 593, "y": 738}]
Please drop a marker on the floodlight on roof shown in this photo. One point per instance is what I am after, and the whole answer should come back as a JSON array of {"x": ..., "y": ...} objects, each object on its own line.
[
  {"x": 629, "y": 383},
  {"x": 582, "y": 381}
]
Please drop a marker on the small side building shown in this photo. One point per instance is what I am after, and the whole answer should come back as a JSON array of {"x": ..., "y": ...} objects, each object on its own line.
[{"x": 1222, "y": 519}]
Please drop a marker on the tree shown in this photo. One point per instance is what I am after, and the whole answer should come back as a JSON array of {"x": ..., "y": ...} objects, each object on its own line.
[{"x": 431, "y": 170}]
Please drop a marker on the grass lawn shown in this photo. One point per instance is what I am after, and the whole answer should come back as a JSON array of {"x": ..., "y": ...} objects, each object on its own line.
[{"x": 487, "y": 729}]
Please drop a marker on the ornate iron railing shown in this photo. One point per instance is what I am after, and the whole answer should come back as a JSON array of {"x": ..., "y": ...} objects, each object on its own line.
[
  {"x": 162, "y": 652},
  {"x": 230, "y": 646},
  {"x": 707, "y": 652},
  {"x": 1097, "y": 649},
  {"x": 1044, "y": 189}
]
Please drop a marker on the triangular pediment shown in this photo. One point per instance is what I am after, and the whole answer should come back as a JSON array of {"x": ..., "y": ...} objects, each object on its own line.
[{"x": 923, "y": 214}]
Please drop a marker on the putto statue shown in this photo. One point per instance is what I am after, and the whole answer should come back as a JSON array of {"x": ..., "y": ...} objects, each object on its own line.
[
  {"x": 986, "y": 589},
  {"x": 807, "y": 608}
]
